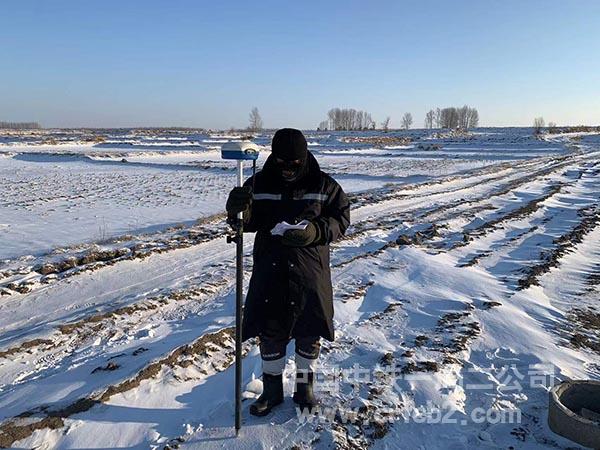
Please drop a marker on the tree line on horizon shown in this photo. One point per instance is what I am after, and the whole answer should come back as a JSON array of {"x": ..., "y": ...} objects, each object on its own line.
[
  {"x": 463, "y": 118},
  {"x": 20, "y": 125},
  {"x": 347, "y": 119},
  {"x": 350, "y": 119}
]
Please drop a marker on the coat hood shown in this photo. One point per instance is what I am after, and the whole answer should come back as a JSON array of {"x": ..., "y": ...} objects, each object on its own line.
[{"x": 311, "y": 171}]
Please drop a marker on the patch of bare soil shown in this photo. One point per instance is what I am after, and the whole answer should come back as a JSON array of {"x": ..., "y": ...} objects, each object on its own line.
[
  {"x": 366, "y": 412},
  {"x": 93, "y": 324},
  {"x": 56, "y": 265},
  {"x": 26, "y": 346},
  {"x": 574, "y": 129},
  {"x": 590, "y": 218},
  {"x": 353, "y": 292},
  {"x": 516, "y": 214},
  {"x": 454, "y": 134},
  {"x": 593, "y": 279},
  {"x": 377, "y": 141},
  {"x": 584, "y": 329},
  {"x": 416, "y": 238},
  {"x": 203, "y": 348},
  {"x": 475, "y": 259}
]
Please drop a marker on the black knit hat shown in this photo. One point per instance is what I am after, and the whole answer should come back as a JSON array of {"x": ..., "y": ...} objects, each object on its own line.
[{"x": 289, "y": 144}]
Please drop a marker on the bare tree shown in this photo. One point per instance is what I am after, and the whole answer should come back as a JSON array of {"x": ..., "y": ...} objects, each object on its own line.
[
  {"x": 453, "y": 118},
  {"x": 407, "y": 120},
  {"x": 468, "y": 117},
  {"x": 438, "y": 118},
  {"x": 349, "y": 119},
  {"x": 462, "y": 117},
  {"x": 449, "y": 118},
  {"x": 256, "y": 122},
  {"x": 322, "y": 126},
  {"x": 551, "y": 126},
  {"x": 429, "y": 119},
  {"x": 538, "y": 124},
  {"x": 385, "y": 125},
  {"x": 472, "y": 118}
]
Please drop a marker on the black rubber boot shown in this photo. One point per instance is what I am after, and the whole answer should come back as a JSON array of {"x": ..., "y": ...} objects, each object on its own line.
[
  {"x": 272, "y": 395},
  {"x": 304, "y": 395}
]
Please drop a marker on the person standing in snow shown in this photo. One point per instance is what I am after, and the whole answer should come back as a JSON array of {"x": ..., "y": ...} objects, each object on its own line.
[{"x": 290, "y": 293}]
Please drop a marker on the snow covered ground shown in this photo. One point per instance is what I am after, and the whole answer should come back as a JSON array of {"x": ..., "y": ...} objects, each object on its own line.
[{"x": 467, "y": 284}]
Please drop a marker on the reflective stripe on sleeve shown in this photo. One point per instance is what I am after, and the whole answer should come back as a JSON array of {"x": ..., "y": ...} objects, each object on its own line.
[
  {"x": 315, "y": 196},
  {"x": 319, "y": 197},
  {"x": 266, "y": 196}
]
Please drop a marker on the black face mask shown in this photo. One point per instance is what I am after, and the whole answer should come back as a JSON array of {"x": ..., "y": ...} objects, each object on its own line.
[{"x": 289, "y": 170}]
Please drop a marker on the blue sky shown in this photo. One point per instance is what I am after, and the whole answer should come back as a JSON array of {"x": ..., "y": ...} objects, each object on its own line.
[{"x": 207, "y": 63}]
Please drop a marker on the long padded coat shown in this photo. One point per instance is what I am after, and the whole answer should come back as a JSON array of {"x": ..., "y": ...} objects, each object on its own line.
[{"x": 290, "y": 289}]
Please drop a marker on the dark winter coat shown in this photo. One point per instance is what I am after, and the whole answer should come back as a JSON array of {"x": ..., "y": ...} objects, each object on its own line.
[{"x": 290, "y": 287}]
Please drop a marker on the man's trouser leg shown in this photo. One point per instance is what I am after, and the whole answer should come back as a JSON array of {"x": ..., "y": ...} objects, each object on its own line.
[
  {"x": 307, "y": 354},
  {"x": 272, "y": 351}
]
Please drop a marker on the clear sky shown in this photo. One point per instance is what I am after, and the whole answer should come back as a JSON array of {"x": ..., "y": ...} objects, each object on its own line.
[{"x": 207, "y": 63}]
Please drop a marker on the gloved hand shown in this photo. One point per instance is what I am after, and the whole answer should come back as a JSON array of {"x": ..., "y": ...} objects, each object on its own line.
[
  {"x": 239, "y": 201},
  {"x": 300, "y": 238}
]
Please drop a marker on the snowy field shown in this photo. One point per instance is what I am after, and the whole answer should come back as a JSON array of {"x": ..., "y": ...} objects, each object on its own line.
[{"x": 467, "y": 284}]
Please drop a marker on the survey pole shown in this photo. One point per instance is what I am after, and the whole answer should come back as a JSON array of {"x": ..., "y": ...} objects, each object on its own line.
[{"x": 240, "y": 152}]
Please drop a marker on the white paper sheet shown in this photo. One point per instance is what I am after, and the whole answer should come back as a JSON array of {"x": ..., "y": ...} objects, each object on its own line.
[{"x": 282, "y": 227}]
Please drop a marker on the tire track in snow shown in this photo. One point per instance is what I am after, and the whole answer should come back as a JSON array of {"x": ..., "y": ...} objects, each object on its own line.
[
  {"x": 23, "y": 426},
  {"x": 521, "y": 244},
  {"x": 27, "y": 345},
  {"x": 22, "y": 276},
  {"x": 380, "y": 200},
  {"x": 340, "y": 294},
  {"x": 414, "y": 226}
]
